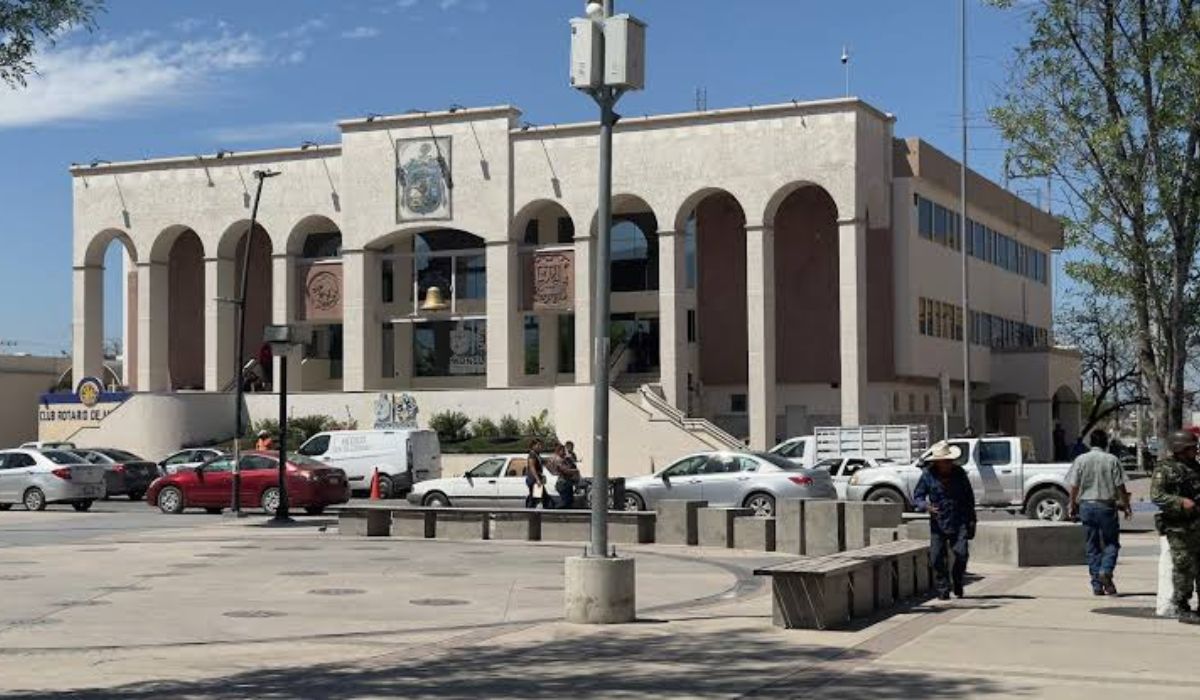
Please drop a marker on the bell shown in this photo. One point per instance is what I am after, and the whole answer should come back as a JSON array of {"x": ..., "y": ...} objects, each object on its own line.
[{"x": 434, "y": 301}]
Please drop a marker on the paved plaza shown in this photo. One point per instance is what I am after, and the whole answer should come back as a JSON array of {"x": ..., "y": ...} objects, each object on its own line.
[{"x": 207, "y": 608}]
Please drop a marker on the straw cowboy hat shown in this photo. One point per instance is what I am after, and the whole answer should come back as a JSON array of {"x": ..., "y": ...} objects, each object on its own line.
[{"x": 944, "y": 452}]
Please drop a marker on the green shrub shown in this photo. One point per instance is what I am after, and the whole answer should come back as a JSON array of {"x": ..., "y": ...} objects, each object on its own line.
[
  {"x": 540, "y": 426},
  {"x": 450, "y": 425},
  {"x": 484, "y": 428},
  {"x": 509, "y": 427}
]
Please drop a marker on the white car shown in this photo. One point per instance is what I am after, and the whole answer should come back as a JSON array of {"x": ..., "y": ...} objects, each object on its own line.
[
  {"x": 497, "y": 482},
  {"x": 188, "y": 459},
  {"x": 842, "y": 468}
]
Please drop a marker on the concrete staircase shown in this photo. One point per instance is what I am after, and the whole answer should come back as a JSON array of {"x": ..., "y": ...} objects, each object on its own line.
[{"x": 650, "y": 397}]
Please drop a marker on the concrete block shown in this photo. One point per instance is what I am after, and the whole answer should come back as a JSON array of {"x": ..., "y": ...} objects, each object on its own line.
[
  {"x": 915, "y": 530},
  {"x": 754, "y": 534},
  {"x": 924, "y": 575},
  {"x": 414, "y": 523},
  {"x": 861, "y": 516},
  {"x": 461, "y": 525},
  {"x": 631, "y": 528},
  {"x": 862, "y": 590},
  {"x": 1029, "y": 543},
  {"x": 678, "y": 522},
  {"x": 808, "y": 602},
  {"x": 883, "y": 535},
  {"x": 567, "y": 526},
  {"x": 789, "y": 526},
  {"x": 824, "y": 527},
  {"x": 906, "y": 575},
  {"x": 365, "y": 523},
  {"x": 885, "y": 583},
  {"x": 525, "y": 526},
  {"x": 600, "y": 590},
  {"x": 716, "y": 526}
]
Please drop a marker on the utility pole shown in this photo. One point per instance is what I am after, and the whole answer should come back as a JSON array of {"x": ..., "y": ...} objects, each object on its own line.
[{"x": 966, "y": 231}]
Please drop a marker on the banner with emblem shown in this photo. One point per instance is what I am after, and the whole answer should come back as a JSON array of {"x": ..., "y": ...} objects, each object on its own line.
[
  {"x": 423, "y": 179},
  {"x": 468, "y": 349},
  {"x": 554, "y": 280}
]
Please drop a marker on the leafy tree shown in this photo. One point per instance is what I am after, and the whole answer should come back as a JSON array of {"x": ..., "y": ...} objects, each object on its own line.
[
  {"x": 26, "y": 23},
  {"x": 1106, "y": 98},
  {"x": 1102, "y": 332}
]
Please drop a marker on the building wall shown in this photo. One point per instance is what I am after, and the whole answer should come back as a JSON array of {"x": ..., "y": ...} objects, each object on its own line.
[{"x": 22, "y": 380}]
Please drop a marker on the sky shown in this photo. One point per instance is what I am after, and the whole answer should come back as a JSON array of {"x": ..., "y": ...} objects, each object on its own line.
[{"x": 198, "y": 76}]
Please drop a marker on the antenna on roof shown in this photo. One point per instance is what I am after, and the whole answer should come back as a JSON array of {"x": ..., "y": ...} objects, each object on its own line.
[
  {"x": 701, "y": 99},
  {"x": 846, "y": 67}
]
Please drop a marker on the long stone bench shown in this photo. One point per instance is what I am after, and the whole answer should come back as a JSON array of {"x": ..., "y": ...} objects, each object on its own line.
[
  {"x": 381, "y": 520},
  {"x": 827, "y": 591},
  {"x": 1019, "y": 543}
]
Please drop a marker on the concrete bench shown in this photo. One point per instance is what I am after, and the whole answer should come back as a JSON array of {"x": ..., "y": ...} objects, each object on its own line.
[
  {"x": 825, "y": 592},
  {"x": 1028, "y": 543},
  {"x": 754, "y": 534},
  {"x": 364, "y": 522},
  {"x": 715, "y": 526},
  {"x": 863, "y": 516},
  {"x": 624, "y": 527},
  {"x": 678, "y": 522}
]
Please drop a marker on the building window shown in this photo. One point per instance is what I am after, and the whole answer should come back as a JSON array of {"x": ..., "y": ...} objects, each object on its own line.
[
  {"x": 566, "y": 229},
  {"x": 895, "y": 402},
  {"x": 689, "y": 251},
  {"x": 926, "y": 403},
  {"x": 450, "y": 348},
  {"x": 912, "y": 403},
  {"x": 635, "y": 253},
  {"x": 566, "y": 344},
  {"x": 691, "y": 325},
  {"x": 322, "y": 245},
  {"x": 925, "y": 218},
  {"x": 533, "y": 346},
  {"x": 532, "y": 235},
  {"x": 737, "y": 403}
]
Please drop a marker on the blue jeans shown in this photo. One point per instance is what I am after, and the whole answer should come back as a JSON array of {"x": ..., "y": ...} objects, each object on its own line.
[
  {"x": 941, "y": 544},
  {"x": 566, "y": 493},
  {"x": 1102, "y": 530}
]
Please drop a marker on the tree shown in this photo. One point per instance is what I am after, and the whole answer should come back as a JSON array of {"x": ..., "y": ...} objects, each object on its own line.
[
  {"x": 1101, "y": 330},
  {"x": 25, "y": 23},
  {"x": 1106, "y": 98}
]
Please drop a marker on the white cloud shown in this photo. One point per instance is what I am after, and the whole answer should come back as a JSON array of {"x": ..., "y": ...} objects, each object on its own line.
[
  {"x": 273, "y": 133},
  {"x": 88, "y": 82},
  {"x": 447, "y": 4},
  {"x": 361, "y": 33}
]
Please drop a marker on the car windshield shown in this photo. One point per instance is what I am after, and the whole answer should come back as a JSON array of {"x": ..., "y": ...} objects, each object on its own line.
[
  {"x": 121, "y": 455},
  {"x": 60, "y": 457},
  {"x": 778, "y": 461}
]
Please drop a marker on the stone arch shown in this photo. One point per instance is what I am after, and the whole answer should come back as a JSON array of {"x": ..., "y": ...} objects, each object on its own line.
[
  {"x": 181, "y": 251},
  {"x": 781, "y": 195},
  {"x": 531, "y": 220},
  {"x": 807, "y": 322},
  {"x": 230, "y": 258},
  {"x": 97, "y": 247},
  {"x": 301, "y": 239},
  {"x": 634, "y": 251},
  {"x": 94, "y": 355}
]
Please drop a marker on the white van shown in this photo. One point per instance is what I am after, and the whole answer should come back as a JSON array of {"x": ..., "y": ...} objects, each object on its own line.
[{"x": 403, "y": 457}]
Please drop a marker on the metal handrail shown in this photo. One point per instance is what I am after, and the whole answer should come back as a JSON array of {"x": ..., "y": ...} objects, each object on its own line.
[{"x": 687, "y": 422}]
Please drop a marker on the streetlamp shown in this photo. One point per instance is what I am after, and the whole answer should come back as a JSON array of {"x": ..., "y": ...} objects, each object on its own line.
[
  {"x": 282, "y": 338},
  {"x": 607, "y": 60}
]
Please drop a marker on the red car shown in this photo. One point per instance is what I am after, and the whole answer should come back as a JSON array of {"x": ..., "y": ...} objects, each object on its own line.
[{"x": 311, "y": 485}]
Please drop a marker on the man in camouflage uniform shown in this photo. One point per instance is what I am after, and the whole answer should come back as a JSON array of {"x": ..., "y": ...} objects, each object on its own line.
[{"x": 1175, "y": 490}]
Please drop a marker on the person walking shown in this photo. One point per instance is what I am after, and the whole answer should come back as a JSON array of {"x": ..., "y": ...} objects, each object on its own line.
[
  {"x": 1175, "y": 489},
  {"x": 264, "y": 443},
  {"x": 535, "y": 477},
  {"x": 1098, "y": 493},
  {"x": 568, "y": 476},
  {"x": 944, "y": 491}
]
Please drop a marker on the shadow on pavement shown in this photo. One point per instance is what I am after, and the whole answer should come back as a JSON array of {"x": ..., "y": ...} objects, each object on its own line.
[{"x": 644, "y": 661}]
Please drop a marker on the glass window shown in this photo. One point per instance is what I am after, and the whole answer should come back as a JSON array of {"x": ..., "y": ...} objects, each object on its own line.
[
  {"x": 323, "y": 245},
  {"x": 121, "y": 455},
  {"x": 566, "y": 229},
  {"x": 853, "y": 465},
  {"x": 450, "y": 348},
  {"x": 470, "y": 276},
  {"x": 831, "y": 465},
  {"x": 778, "y": 461},
  {"x": 941, "y": 224},
  {"x": 488, "y": 469},
  {"x": 691, "y": 325},
  {"x": 720, "y": 464},
  {"x": 689, "y": 251},
  {"x": 531, "y": 233},
  {"x": 60, "y": 457},
  {"x": 225, "y": 464},
  {"x": 316, "y": 446},
  {"x": 686, "y": 466},
  {"x": 746, "y": 464},
  {"x": 958, "y": 323},
  {"x": 635, "y": 253},
  {"x": 566, "y": 344},
  {"x": 258, "y": 463},
  {"x": 533, "y": 345},
  {"x": 925, "y": 218},
  {"x": 182, "y": 458},
  {"x": 994, "y": 452}
]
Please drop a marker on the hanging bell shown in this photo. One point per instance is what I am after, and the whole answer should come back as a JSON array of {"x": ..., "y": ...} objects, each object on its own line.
[{"x": 434, "y": 301}]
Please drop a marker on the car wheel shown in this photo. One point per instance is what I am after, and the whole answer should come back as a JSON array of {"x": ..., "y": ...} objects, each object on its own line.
[
  {"x": 214, "y": 511},
  {"x": 170, "y": 500},
  {"x": 34, "y": 499},
  {"x": 887, "y": 495},
  {"x": 136, "y": 495},
  {"x": 270, "y": 500},
  {"x": 314, "y": 510},
  {"x": 436, "y": 499},
  {"x": 82, "y": 506},
  {"x": 385, "y": 486},
  {"x": 763, "y": 504},
  {"x": 634, "y": 502},
  {"x": 1049, "y": 505}
]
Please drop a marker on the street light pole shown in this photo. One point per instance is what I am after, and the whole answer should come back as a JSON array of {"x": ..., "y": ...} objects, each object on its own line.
[
  {"x": 282, "y": 516},
  {"x": 239, "y": 350},
  {"x": 965, "y": 230}
]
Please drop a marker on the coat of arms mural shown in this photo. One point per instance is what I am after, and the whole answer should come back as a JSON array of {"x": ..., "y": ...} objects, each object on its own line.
[{"x": 422, "y": 179}]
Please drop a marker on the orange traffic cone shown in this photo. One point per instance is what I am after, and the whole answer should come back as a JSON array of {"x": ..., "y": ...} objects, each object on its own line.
[{"x": 375, "y": 485}]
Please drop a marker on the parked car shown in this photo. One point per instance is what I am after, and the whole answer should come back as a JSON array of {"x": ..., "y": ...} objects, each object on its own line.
[
  {"x": 38, "y": 445},
  {"x": 311, "y": 485},
  {"x": 188, "y": 459},
  {"x": 842, "y": 468},
  {"x": 37, "y": 478},
  {"x": 403, "y": 457},
  {"x": 496, "y": 482},
  {"x": 1002, "y": 470},
  {"x": 755, "y": 480},
  {"x": 125, "y": 473}
]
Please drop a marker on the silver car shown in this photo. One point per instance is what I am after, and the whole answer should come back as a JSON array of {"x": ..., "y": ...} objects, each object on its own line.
[
  {"x": 39, "y": 477},
  {"x": 756, "y": 480},
  {"x": 188, "y": 459}
]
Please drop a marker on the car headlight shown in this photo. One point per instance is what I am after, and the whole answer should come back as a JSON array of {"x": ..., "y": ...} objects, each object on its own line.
[{"x": 854, "y": 479}]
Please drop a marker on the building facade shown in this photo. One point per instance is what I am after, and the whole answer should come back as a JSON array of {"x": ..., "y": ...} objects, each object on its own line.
[{"x": 774, "y": 268}]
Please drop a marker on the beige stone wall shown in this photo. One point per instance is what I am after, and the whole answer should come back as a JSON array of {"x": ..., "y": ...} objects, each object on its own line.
[{"x": 22, "y": 381}]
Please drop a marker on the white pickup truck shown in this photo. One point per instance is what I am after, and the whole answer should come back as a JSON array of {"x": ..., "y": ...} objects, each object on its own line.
[{"x": 1002, "y": 470}]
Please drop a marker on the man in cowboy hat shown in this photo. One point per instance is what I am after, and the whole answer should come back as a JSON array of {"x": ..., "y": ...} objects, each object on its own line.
[
  {"x": 945, "y": 492},
  {"x": 1175, "y": 489}
]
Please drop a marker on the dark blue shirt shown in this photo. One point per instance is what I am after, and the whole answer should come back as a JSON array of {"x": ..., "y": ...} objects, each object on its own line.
[{"x": 954, "y": 499}]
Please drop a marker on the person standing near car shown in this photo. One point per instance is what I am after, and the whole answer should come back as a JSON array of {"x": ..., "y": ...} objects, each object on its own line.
[
  {"x": 944, "y": 491},
  {"x": 568, "y": 476},
  {"x": 264, "y": 443},
  {"x": 1175, "y": 489},
  {"x": 535, "y": 477},
  {"x": 1098, "y": 493}
]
